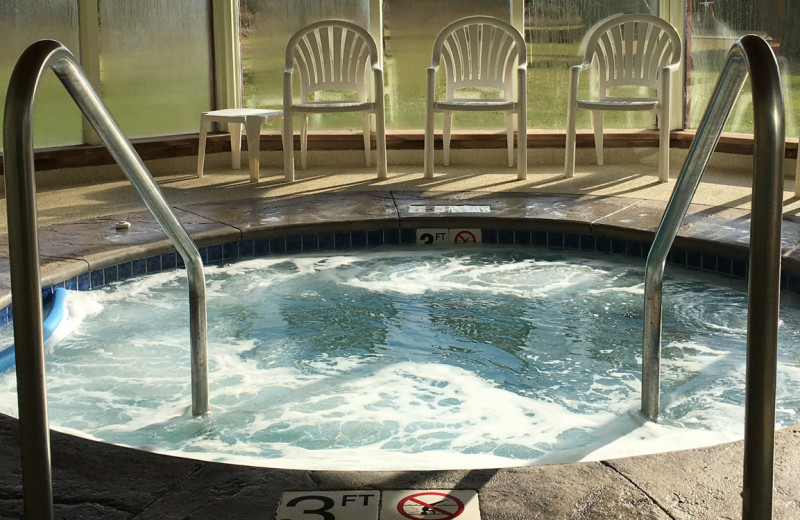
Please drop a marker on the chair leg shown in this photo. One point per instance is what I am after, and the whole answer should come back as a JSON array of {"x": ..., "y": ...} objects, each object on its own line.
[
  {"x": 569, "y": 160},
  {"x": 252, "y": 128},
  {"x": 365, "y": 116},
  {"x": 235, "y": 130},
  {"x": 447, "y": 123},
  {"x": 663, "y": 145},
  {"x": 522, "y": 145},
  {"x": 597, "y": 123},
  {"x": 303, "y": 140},
  {"x": 428, "y": 148},
  {"x": 288, "y": 147},
  {"x": 510, "y": 138},
  {"x": 572, "y": 110},
  {"x": 205, "y": 125},
  {"x": 380, "y": 144}
]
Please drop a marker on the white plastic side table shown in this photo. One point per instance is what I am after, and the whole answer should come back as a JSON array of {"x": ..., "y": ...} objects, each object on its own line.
[{"x": 252, "y": 119}]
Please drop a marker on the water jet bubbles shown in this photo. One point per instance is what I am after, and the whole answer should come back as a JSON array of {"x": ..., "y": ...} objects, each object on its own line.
[{"x": 323, "y": 370}]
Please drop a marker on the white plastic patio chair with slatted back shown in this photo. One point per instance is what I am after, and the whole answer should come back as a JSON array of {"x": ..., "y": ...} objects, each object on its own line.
[
  {"x": 638, "y": 50},
  {"x": 333, "y": 55},
  {"x": 485, "y": 53}
]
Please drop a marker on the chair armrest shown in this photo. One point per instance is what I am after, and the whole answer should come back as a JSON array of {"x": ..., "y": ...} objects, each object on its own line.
[
  {"x": 666, "y": 72},
  {"x": 522, "y": 83},
  {"x": 574, "y": 76},
  {"x": 577, "y": 69},
  {"x": 583, "y": 66}
]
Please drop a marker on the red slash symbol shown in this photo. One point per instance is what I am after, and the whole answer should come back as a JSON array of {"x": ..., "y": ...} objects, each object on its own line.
[
  {"x": 464, "y": 237},
  {"x": 430, "y": 505}
]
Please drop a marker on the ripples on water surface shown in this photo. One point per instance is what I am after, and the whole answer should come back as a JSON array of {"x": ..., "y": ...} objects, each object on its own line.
[{"x": 410, "y": 359}]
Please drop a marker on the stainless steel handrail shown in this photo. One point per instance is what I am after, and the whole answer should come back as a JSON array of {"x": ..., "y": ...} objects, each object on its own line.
[
  {"x": 749, "y": 54},
  {"x": 23, "y": 233}
]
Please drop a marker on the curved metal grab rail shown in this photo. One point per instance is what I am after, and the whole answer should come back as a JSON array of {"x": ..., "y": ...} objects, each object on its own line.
[
  {"x": 24, "y": 252},
  {"x": 749, "y": 54}
]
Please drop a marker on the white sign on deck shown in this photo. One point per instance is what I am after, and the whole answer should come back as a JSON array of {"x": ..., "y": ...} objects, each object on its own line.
[
  {"x": 329, "y": 505},
  {"x": 449, "y": 209},
  {"x": 460, "y": 504}
]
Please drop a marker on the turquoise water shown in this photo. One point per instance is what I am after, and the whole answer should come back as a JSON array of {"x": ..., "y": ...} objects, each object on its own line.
[{"x": 401, "y": 359}]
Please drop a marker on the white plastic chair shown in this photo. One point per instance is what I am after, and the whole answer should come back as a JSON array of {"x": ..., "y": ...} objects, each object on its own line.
[
  {"x": 333, "y": 55},
  {"x": 485, "y": 53},
  {"x": 638, "y": 50}
]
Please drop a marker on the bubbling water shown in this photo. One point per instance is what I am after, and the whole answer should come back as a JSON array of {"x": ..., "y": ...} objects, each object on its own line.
[{"x": 409, "y": 359}]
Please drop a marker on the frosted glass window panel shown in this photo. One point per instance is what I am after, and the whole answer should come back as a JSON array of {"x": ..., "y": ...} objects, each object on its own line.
[
  {"x": 265, "y": 29},
  {"x": 713, "y": 26},
  {"x": 554, "y": 30},
  {"x": 57, "y": 121},
  {"x": 410, "y": 27},
  {"x": 155, "y": 67}
]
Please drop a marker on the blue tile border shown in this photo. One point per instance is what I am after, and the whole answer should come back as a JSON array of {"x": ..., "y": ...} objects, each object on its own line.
[
  {"x": 555, "y": 240},
  {"x": 110, "y": 274},
  {"x": 310, "y": 243},
  {"x": 214, "y": 254},
  {"x": 261, "y": 247},
  {"x": 96, "y": 279},
  {"x": 374, "y": 238},
  {"x": 358, "y": 239},
  {"x": 246, "y": 249},
  {"x": 326, "y": 241},
  {"x": 408, "y": 237},
  {"x": 277, "y": 246},
  {"x": 488, "y": 236},
  {"x": 342, "y": 240},
  {"x": 169, "y": 261},
  {"x": 572, "y": 241},
  {"x": 125, "y": 271},
  {"x": 294, "y": 244},
  {"x": 154, "y": 264},
  {"x": 230, "y": 251},
  {"x": 522, "y": 238},
  {"x": 369, "y": 238},
  {"x": 391, "y": 236}
]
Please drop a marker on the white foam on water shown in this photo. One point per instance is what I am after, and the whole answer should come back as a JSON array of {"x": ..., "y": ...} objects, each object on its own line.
[
  {"x": 523, "y": 280},
  {"x": 637, "y": 289},
  {"x": 428, "y": 382},
  {"x": 8, "y": 393}
]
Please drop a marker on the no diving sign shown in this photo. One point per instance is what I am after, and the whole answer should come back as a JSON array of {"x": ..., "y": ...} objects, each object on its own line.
[
  {"x": 458, "y": 504},
  {"x": 430, "y": 504}
]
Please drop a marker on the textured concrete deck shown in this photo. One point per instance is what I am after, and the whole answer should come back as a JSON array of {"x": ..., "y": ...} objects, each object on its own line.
[{"x": 95, "y": 480}]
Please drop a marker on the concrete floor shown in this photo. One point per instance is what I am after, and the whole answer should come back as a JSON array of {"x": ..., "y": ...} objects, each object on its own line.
[
  {"x": 95, "y": 480},
  {"x": 75, "y": 194}
]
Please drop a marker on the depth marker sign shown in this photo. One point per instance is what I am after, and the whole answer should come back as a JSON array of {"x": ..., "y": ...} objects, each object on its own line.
[
  {"x": 445, "y": 236},
  {"x": 329, "y": 505},
  {"x": 457, "y": 504}
]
